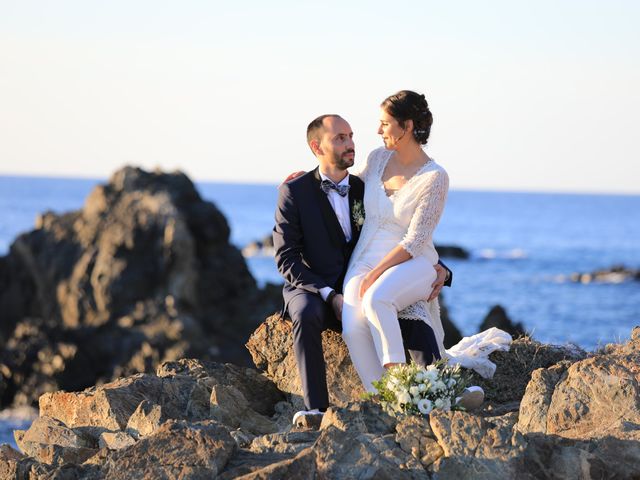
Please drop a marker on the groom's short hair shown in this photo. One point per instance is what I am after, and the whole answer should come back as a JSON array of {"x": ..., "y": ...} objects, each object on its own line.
[{"x": 316, "y": 126}]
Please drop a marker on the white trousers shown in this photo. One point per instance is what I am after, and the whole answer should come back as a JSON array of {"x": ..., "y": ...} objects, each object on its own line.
[{"x": 370, "y": 325}]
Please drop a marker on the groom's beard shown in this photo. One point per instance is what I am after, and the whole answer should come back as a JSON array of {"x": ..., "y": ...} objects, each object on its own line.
[{"x": 342, "y": 161}]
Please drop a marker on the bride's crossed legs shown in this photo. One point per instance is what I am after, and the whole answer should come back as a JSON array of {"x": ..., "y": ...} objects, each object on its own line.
[{"x": 370, "y": 326}]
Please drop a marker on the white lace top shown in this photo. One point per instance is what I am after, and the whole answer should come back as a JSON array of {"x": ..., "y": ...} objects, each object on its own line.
[{"x": 412, "y": 213}]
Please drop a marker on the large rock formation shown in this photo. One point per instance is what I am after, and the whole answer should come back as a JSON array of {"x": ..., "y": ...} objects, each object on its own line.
[
  {"x": 143, "y": 273},
  {"x": 579, "y": 418},
  {"x": 271, "y": 347},
  {"x": 497, "y": 317}
]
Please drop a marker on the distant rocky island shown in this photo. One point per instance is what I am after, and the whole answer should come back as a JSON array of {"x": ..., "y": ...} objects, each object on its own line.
[{"x": 126, "y": 322}]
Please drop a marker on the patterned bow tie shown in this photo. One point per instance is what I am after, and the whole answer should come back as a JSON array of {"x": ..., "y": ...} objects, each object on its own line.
[{"x": 328, "y": 185}]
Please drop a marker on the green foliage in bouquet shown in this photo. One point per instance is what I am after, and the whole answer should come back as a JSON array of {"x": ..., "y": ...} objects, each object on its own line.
[{"x": 409, "y": 389}]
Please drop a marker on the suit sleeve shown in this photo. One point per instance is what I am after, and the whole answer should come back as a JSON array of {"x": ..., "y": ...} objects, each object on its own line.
[
  {"x": 450, "y": 281},
  {"x": 288, "y": 245}
]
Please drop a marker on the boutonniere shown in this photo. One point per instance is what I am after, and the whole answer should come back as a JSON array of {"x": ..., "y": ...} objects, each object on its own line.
[{"x": 357, "y": 214}]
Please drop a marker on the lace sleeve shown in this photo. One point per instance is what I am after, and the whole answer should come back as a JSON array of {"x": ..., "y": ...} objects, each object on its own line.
[{"x": 427, "y": 214}]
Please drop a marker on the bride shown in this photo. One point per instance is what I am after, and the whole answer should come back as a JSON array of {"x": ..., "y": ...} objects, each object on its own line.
[{"x": 393, "y": 261}]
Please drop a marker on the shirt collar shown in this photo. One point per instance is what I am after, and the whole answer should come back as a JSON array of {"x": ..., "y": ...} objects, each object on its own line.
[{"x": 344, "y": 181}]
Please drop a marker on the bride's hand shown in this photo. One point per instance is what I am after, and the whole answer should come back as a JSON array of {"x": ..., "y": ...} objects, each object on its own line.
[
  {"x": 293, "y": 176},
  {"x": 367, "y": 281},
  {"x": 436, "y": 286}
]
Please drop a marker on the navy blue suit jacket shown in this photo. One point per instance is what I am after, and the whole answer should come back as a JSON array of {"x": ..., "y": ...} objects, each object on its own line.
[{"x": 311, "y": 250}]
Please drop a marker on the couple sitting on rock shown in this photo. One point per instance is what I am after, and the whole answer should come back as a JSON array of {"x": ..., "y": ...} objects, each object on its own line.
[{"x": 356, "y": 251}]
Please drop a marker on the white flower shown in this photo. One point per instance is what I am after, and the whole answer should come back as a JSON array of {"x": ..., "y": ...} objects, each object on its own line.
[
  {"x": 432, "y": 368},
  {"x": 446, "y": 405},
  {"x": 431, "y": 376},
  {"x": 439, "y": 403},
  {"x": 439, "y": 385},
  {"x": 422, "y": 387},
  {"x": 419, "y": 376},
  {"x": 414, "y": 390},
  {"x": 404, "y": 397},
  {"x": 451, "y": 383},
  {"x": 425, "y": 406}
]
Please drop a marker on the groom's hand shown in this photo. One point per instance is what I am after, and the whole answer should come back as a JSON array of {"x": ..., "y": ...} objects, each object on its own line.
[
  {"x": 336, "y": 304},
  {"x": 441, "y": 275}
]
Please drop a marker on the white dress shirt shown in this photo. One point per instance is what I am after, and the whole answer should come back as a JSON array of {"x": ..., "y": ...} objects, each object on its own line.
[{"x": 340, "y": 206}]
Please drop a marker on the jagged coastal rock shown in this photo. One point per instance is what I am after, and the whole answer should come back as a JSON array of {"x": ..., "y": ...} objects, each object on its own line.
[
  {"x": 143, "y": 273},
  {"x": 578, "y": 416}
]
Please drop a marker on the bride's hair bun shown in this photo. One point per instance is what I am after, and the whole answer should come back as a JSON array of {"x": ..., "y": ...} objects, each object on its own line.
[{"x": 408, "y": 105}]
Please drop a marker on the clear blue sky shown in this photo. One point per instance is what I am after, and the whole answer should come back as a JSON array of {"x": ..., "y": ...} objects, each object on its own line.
[{"x": 526, "y": 95}]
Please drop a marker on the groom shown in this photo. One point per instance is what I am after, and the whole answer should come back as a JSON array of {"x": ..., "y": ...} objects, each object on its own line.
[{"x": 314, "y": 236}]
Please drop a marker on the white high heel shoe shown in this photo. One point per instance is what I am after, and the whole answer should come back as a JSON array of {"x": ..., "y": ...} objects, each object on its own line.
[{"x": 472, "y": 398}]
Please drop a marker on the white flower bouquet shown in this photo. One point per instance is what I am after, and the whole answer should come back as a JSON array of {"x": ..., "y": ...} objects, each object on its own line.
[{"x": 409, "y": 389}]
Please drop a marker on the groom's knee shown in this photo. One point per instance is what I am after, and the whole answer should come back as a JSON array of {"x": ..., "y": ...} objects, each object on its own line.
[{"x": 307, "y": 313}]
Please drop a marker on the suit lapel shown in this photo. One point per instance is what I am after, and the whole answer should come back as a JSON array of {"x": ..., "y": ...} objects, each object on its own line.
[
  {"x": 356, "y": 194},
  {"x": 330, "y": 218}
]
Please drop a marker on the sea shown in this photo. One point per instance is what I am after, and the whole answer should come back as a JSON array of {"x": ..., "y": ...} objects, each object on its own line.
[{"x": 523, "y": 248}]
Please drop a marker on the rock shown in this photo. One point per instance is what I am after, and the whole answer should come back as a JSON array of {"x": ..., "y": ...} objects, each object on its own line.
[
  {"x": 614, "y": 274},
  {"x": 109, "y": 406},
  {"x": 339, "y": 454},
  {"x": 288, "y": 443},
  {"x": 229, "y": 407},
  {"x": 51, "y": 442},
  {"x": 143, "y": 273},
  {"x": 51, "y": 431},
  {"x": 301, "y": 467},
  {"x": 452, "y": 251},
  {"x": 475, "y": 447},
  {"x": 593, "y": 398},
  {"x": 177, "y": 449},
  {"x": 262, "y": 247},
  {"x": 414, "y": 435},
  {"x": 579, "y": 418},
  {"x": 533, "y": 412},
  {"x": 271, "y": 348},
  {"x": 242, "y": 439},
  {"x": 27, "y": 468},
  {"x": 515, "y": 367},
  {"x": 346, "y": 454},
  {"x": 116, "y": 440},
  {"x": 7, "y": 452},
  {"x": 451, "y": 333},
  {"x": 363, "y": 417},
  {"x": 145, "y": 420},
  {"x": 261, "y": 393},
  {"x": 497, "y": 317}
]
